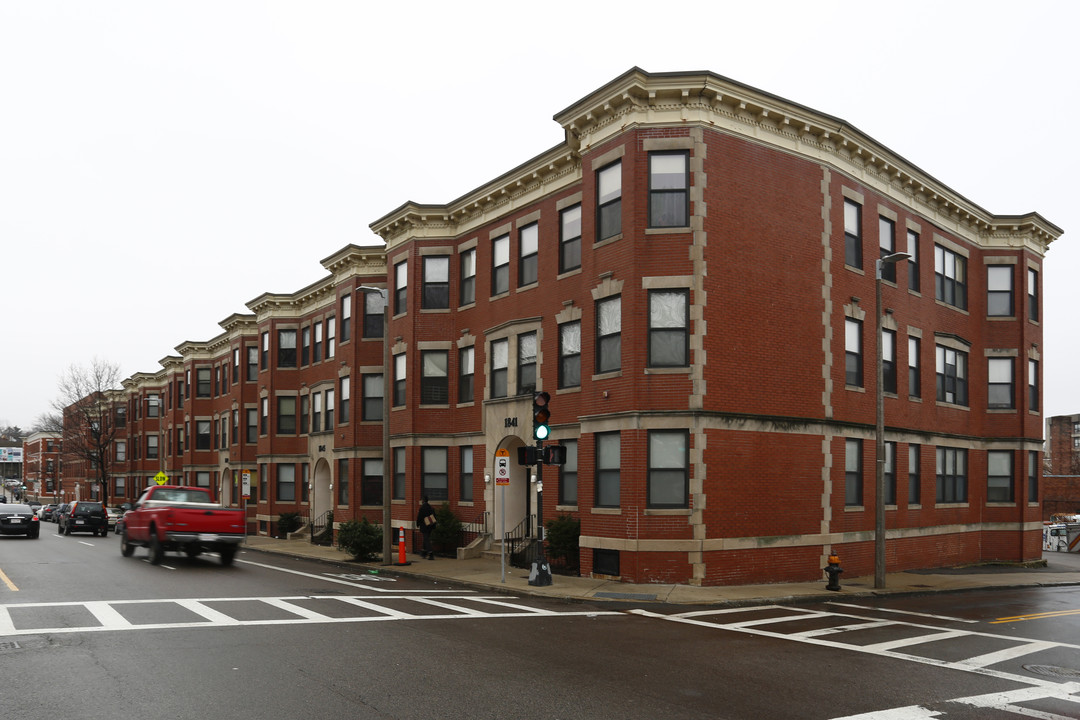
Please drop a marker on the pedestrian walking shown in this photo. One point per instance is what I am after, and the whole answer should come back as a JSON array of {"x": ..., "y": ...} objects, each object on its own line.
[{"x": 425, "y": 520}]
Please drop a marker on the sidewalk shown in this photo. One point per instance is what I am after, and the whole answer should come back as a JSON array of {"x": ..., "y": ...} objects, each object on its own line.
[{"x": 487, "y": 574}]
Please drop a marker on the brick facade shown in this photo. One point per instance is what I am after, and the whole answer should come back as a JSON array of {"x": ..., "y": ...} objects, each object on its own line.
[{"x": 1061, "y": 483}]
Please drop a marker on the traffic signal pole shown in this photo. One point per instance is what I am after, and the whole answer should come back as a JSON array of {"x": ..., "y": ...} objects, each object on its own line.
[{"x": 540, "y": 575}]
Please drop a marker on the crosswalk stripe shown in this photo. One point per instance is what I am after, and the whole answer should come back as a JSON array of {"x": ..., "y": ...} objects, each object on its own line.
[{"x": 107, "y": 615}]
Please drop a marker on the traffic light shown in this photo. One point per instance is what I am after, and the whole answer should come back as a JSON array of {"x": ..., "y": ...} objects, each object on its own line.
[
  {"x": 541, "y": 415},
  {"x": 528, "y": 455},
  {"x": 554, "y": 454}
]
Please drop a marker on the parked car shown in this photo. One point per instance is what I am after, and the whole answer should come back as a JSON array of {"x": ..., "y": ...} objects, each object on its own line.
[
  {"x": 19, "y": 519},
  {"x": 59, "y": 511},
  {"x": 84, "y": 516},
  {"x": 48, "y": 512},
  {"x": 114, "y": 515},
  {"x": 34, "y": 505}
]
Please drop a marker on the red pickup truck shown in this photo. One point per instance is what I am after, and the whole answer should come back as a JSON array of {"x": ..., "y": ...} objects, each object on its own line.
[{"x": 178, "y": 517}]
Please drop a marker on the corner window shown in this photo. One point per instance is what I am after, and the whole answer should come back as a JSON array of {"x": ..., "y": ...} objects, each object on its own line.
[
  {"x": 399, "y": 380},
  {"x": 1033, "y": 385},
  {"x": 999, "y": 476},
  {"x": 466, "y": 375},
  {"x": 373, "y": 397},
  {"x": 609, "y": 201},
  {"x": 401, "y": 287},
  {"x": 887, "y": 242},
  {"x": 889, "y": 472},
  {"x": 500, "y": 358},
  {"x": 202, "y": 377},
  {"x": 500, "y": 265},
  {"x": 433, "y": 473},
  {"x": 570, "y": 354},
  {"x": 286, "y": 415},
  {"x": 669, "y": 189},
  {"x": 1000, "y": 391},
  {"x": 286, "y": 483},
  {"x": 914, "y": 379},
  {"x": 528, "y": 251},
  {"x": 344, "y": 390},
  {"x": 913, "y": 262},
  {"x": 853, "y": 373},
  {"x": 374, "y": 314},
  {"x": 669, "y": 328},
  {"x": 465, "y": 479},
  {"x": 264, "y": 416},
  {"x": 346, "y": 317},
  {"x": 853, "y": 474},
  {"x": 568, "y": 474},
  {"x": 252, "y": 363},
  {"x": 669, "y": 469},
  {"x": 331, "y": 338},
  {"x": 316, "y": 348},
  {"x": 951, "y": 475},
  {"x": 371, "y": 482},
  {"x": 608, "y": 460},
  {"x": 1033, "y": 294},
  {"x": 329, "y": 410},
  {"x": 609, "y": 335},
  {"x": 570, "y": 239},
  {"x": 398, "y": 489},
  {"x": 951, "y": 376},
  {"x": 286, "y": 349},
  {"x": 305, "y": 345},
  {"x": 434, "y": 378},
  {"x": 316, "y": 412},
  {"x": 202, "y": 435},
  {"x": 468, "y": 277},
  {"x": 888, "y": 361},
  {"x": 526, "y": 369},
  {"x": 950, "y": 277},
  {"x": 1033, "y": 476},
  {"x": 264, "y": 357},
  {"x": 914, "y": 474},
  {"x": 852, "y": 234},
  {"x": 252, "y": 428},
  {"x": 436, "y": 290},
  {"x": 343, "y": 481},
  {"x": 999, "y": 290}
]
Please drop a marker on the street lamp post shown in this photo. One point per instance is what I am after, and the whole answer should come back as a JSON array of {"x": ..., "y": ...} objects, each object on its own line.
[
  {"x": 879, "y": 430},
  {"x": 386, "y": 493}
]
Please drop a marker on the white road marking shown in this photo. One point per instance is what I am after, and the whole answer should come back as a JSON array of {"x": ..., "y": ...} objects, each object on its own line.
[
  {"x": 904, "y": 612},
  {"x": 328, "y": 577},
  {"x": 107, "y": 615},
  {"x": 1007, "y": 654}
]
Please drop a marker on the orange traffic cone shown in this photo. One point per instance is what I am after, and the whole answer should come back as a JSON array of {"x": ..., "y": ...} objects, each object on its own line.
[{"x": 401, "y": 547}]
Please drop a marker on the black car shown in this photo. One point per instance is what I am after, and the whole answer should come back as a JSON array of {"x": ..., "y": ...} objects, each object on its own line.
[
  {"x": 18, "y": 520},
  {"x": 49, "y": 512},
  {"x": 84, "y": 516}
]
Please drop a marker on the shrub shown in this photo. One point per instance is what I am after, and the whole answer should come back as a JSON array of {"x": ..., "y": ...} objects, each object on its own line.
[
  {"x": 288, "y": 522},
  {"x": 562, "y": 538},
  {"x": 361, "y": 539},
  {"x": 448, "y": 529}
]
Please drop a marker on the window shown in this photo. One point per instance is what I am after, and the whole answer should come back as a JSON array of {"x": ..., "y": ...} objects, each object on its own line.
[
  {"x": 401, "y": 284},
  {"x": 570, "y": 354},
  {"x": 252, "y": 425},
  {"x": 913, "y": 262},
  {"x": 202, "y": 388},
  {"x": 399, "y": 474},
  {"x": 1033, "y": 476},
  {"x": 153, "y": 406},
  {"x": 329, "y": 423},
  {"x": 1000, "y": 392},
  {"x": 236, "y": 365},
  {"x": 609, "y": 335},
  {"x": 264, "y": 354},
  {"x": 950, "y": 277},
  {"x": 217, "y": 381},
  {"x": 371, "y": 482},
  {"x": 951, "y": 475},
  {"x": 468, "y": 277},
  {"x": 121, "y": 450},
  {"x": 853, "y": 477},
  {"x": 305, "y": 345},
  {"x": 121, "y": 417},
  {"x": 999, "y": 476},
  {"x": 316, "y": 412},
  {"x": 999, "y": 290},
  {"x": 235, "y": 426},
  {"x": 305, "y": 475},
  {"x": 433, "y": 472},
  {"x": 286, "y": 483},
  {"x": 669, "y": 469},
  {"x": 1033, "y": 294},
  {"x": 399, "y": 380},
  {"x": 888, "y": 361},
  {"x": 286, "y": 415},
  {"x": 343, "y": 481},
  {"x": 951, "y": 376},
  {"x": 669, "y": 189},
  {"x": 286, "y": 349},
  {"x": 1033, "y": 385},
  {"x": 466, "y": 375},
  {"x": 889, "y": 471},
  {"x": 331, "y": 336},
  {"x": 500, "y": 265},
  {"x": 466, "y": 479},
  {"x": 852, "y": 234},
  {"x": 152, "y": 447},
  {"x": 570, "y": 239},
  {"x": 346, "y": 317},
  {"x": 608, "y": 459},
  {"x": 181, "y": 393},
  {"x": 669, "y": 328},
  {"x": 374, "y": 314},
  {"x": 528, "y": 247},
  {"x": 252, "y": 363},
  {"x": 436, "y": 290},
  {"x": 434, "y": 378},
  {"x": 914, "y": 474},
  {"x": 263, "y": 480},
  {"x": 202, "y": 434},
  {"x": 914, "y": 380},
  {"x": 500, "y": 358},
  {"x": 887, "y": 241},
  {"x": 568, "y": 474},
  {"x": 305, "y": 414},
  {"x": 526, "y": 369},
  {"x": 316, "y": 348},
  {"x": 264, "y": 416},
  {"x": 853, "y": 372},
  {"x": 344, "y": 391},
  {"x": 609, "y": 201},
  {"x": 373, "y": 408}
]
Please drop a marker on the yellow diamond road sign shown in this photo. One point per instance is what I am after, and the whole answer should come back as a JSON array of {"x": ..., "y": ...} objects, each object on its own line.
[{"x": 161, "y": 478}]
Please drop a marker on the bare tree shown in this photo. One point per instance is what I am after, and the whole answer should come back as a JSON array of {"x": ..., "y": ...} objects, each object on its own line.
[
  {"x": 49, "y": 422},
  {"x": 85, "y": 407}
]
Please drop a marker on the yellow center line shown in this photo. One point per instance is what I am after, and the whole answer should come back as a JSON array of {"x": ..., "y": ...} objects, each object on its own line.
[
  {"x": 1035, "y": 616},
  {"x": 11, "y": 585}
]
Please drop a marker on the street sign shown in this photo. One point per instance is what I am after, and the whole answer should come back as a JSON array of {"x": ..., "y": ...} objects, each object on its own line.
[
  {"x": 161, "y": 478},
  {"x": 245, "y": 483},
  {"x": 502, "y": 467}
]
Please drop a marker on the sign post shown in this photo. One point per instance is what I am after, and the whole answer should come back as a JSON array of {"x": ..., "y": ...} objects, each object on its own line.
[{"x": 502, "y": 479}]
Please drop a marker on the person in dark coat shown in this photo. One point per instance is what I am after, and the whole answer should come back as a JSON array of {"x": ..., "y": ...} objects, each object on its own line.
[{"x": 425, "y": 520}]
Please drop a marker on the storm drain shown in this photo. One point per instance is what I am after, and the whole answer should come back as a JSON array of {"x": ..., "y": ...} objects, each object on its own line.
[
  {"x": 625, "y": 596},
  {"x": 8, "y": 645},
  {"x": 1054, "y": 671}
]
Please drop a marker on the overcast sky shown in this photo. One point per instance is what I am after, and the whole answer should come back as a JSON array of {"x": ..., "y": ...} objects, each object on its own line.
[{"x": 164, "y": 163}]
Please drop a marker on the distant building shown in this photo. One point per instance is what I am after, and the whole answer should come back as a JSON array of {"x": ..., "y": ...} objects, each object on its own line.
[
  {"x": 690, "y": 275},
  {"x": 1061, "y": 483},
  {"x": 42, "y": 464}
]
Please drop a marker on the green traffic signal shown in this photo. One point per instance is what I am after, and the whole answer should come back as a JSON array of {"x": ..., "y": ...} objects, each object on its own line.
[{"x": 541, "y": 415}]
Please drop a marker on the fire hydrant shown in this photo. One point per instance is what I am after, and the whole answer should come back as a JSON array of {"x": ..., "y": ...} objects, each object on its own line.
[{"x": 833, "y": 570}]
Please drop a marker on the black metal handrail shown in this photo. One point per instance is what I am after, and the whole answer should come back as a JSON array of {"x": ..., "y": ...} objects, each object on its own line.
[
  {"x": 520, "y": 545},
  {"x": 322, "y": 529}
]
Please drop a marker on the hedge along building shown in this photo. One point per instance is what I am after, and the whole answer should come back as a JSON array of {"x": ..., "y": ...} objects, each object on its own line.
[{"x": 690, "y": 275}]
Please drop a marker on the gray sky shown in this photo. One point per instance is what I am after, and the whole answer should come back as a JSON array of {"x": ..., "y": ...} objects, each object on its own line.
[{"x": 163, "y": 163}]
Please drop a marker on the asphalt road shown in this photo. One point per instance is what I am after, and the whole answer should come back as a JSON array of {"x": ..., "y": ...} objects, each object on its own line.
[{"x": 85, "y": 632}]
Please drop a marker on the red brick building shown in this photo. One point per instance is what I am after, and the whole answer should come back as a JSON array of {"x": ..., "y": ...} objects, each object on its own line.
[
  {"x": 1061, "y": 482},
  {"x": 42, "y": 465},
  {"x": 690, "y": 275}
]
